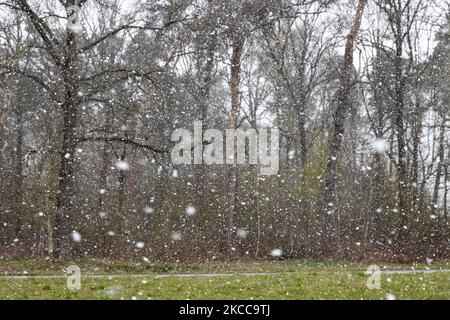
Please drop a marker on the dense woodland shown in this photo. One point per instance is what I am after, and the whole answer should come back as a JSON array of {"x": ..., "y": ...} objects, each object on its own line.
[{"x": 91, "y": 91}]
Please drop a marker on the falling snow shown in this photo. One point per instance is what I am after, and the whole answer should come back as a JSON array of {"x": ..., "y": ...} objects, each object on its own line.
[
  {"x": 380, "y": 145},
  {"x": 225, "y": 136},
  {"x": 190, "y": 211},
  {"x": 122, "y": 165},
  {"x": 76, "y": 236},
  {"x": 276, "y": 253}
]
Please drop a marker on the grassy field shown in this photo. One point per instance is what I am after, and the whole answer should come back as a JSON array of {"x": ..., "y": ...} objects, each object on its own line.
[{"x": 297, "y": 280}]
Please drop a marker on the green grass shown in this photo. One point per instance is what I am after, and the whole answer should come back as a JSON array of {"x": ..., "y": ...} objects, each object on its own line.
[
  {"x": 302, "y": 280},
  {"x": 47, "y": 267},
  {"x": 312, "y": 285}
]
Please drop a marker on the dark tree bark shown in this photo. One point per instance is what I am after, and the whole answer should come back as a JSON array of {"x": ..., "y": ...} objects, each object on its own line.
[
  {"x": 227, "y": 223},
  {"x": 399, "y": 125},
  {"x": 18, "y": 176},
  {"x": 440, "y": 167},
  {"x": 417, "y": 133},
  {"x": 105, "y": 165},
  {"x": 66, "y": 191},
  {"x": 446, "y": 181},
  {"x": 324, "y": 228},
  {"x": 205, "y": 71}
]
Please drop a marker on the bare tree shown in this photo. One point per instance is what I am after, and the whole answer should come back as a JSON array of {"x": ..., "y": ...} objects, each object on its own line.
[{"x": 337, "y": 135}]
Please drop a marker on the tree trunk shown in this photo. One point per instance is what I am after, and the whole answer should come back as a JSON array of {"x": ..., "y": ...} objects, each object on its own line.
[
  {"x": 446, "y": 182},
  {"x": 400, "y": 131},
  {"x": 440, "y": 167},
  {"x": 302, "y": 131},
  {"x": 417, "y": 131},
  {"x": 324, "y": 228},
  {"x": 205, "y": 70},
  {"x": 18, "y": 177},
  {"x": 227, "y": 225},
  {"x": 66, "y": 190},
  {"x": 106, "y": 164}
]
